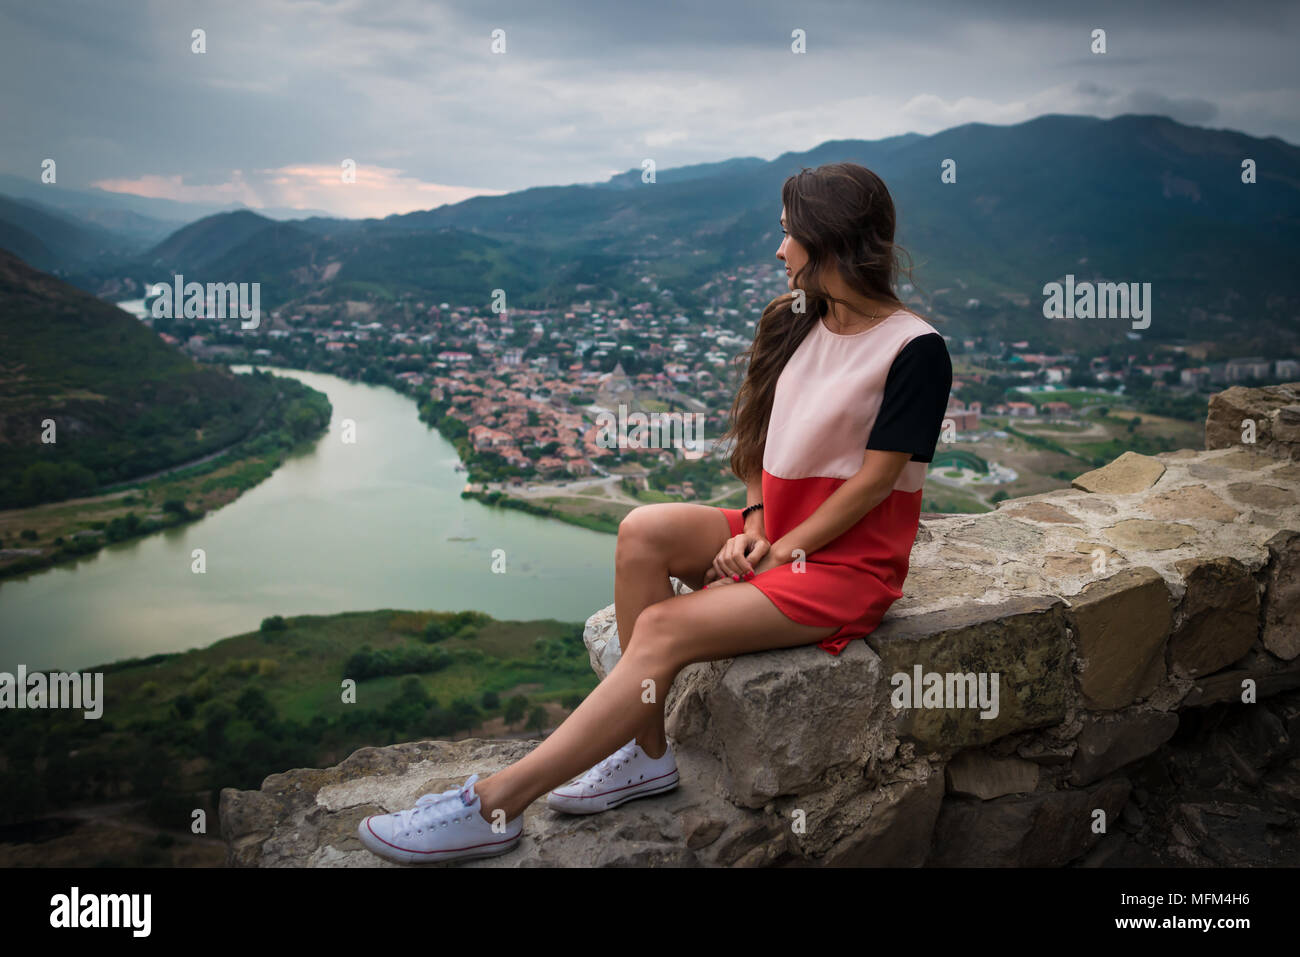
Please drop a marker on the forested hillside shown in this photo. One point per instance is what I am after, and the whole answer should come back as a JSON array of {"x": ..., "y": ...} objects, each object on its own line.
[{"x": 117, "y": 400}]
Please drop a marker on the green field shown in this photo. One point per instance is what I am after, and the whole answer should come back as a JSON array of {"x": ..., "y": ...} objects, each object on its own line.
[
  {"x": 945, "y": 500},
  {"x": 1076, "y": 398}
]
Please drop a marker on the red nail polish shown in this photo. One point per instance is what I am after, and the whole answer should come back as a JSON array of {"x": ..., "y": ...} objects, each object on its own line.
[{"x": 735, "y": 578}]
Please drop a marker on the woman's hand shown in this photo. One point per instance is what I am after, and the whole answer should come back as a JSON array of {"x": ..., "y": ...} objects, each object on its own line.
[
  {"x": 743, "y": 556},
  {"x": 769, "y": 561}
]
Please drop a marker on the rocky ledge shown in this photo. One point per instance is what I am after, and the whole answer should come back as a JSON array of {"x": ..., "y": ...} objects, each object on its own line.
[{"x": 1144, "y": 630}]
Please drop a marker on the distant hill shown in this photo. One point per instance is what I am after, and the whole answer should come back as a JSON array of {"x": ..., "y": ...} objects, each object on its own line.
[
  {"x": 150, "y": 218},
  {"x": 202, "y": 243},
  {"x": 124, "y": 402},
  {"x": 681, "y": 174},
  {"x": 1130, "y": 199},
  {"x": 49, "y": 239},
  {"x": 350, "y": 259}
]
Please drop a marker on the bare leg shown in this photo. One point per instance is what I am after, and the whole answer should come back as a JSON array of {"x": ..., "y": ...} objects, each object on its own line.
[
  {"x": 722, "y": 622},
  {"x": 655, "y": 541}
]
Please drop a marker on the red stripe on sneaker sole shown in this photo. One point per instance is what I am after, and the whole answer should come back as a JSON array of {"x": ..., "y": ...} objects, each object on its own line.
[
  {"x": 588, "y": 797},
  {"x": 446, "y": 850}
]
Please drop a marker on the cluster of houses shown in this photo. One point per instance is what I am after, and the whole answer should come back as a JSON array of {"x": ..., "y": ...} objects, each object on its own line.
[
  {"x": 511, "y": 405},
  {"x": 498, "y": 415}
]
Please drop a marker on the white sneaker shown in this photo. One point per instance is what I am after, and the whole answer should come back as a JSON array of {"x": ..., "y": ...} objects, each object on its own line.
[
  {"x": 441, "y": 827},
  {"x": 625, "y": 775}
]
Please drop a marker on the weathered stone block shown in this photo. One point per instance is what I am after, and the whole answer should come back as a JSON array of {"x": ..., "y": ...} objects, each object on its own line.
[
  {"x": 893, "y": 825},
  {"x": 1274, "y": 410},
  {"x": 1262, "y": 495},
  {"x": 1129, "y": 473},
  {"x": 1042, "y": 512},
  {"x": 982, "y": 775},
  {"x": 1190, "y": 501},
  {"x": 1121, "y": 624},
  {"x": 1021, "y": 640},
  {"x": 1109, "y": 743},
  {"x": 1281, "y": 633},
  {"x": 1218, "y": 620},
  {"x": 1148, "y": 535},
  {"x": 768, "y": 717},
  {"x": 1267, "y": 675},
  {"x": 1040, "y": 830}
]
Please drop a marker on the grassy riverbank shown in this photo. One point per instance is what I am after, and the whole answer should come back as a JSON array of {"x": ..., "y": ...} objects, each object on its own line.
[
  {"x": 43, "y": 535},
  {"x": 595, "y": 514}
]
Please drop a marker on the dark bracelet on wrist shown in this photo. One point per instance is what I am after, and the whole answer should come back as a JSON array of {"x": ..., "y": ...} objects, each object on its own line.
[{"x": 744, "y": 513}]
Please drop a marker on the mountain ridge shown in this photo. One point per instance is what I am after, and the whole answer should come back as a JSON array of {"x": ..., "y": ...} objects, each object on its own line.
[{"x": 1137, "y": 197}]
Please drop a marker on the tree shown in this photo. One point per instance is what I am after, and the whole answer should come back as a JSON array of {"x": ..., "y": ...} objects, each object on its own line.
[
  {"x": 515, "y": 709},
  {"x": 302, "y": 420},
  {"x": 464, "y": 714},
  {"x": 436, "y": 631},
  {"x": 122, "y": 527},
  {"x": 412, "y": 688},
  {"x": 176, "y": 506},
  {"x": 214, "y": 729},
  {"x": 536, "y": 719},
  {"x": 253, "y": 706},
  {"x": 54, "y": 481}
]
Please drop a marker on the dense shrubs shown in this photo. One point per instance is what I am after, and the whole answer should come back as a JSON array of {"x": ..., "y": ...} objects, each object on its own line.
[
  {"x": 366, "y": 662},
  {"x": 51, "y": 482},
  {"x": 462, "y": 623}
]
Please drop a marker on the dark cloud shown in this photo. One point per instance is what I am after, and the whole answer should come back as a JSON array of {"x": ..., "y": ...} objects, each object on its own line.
[
  {"x": 409, "y": 89},
  {"x": 1188, "y": 110}
]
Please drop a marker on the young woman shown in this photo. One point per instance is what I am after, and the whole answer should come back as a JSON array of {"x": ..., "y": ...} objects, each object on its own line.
[{"x": 840, "y": 410}]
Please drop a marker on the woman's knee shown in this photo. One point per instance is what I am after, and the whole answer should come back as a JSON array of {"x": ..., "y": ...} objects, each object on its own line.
[
  {"x": 660, "y": 639},
  {"x": 636, "y": 531}
]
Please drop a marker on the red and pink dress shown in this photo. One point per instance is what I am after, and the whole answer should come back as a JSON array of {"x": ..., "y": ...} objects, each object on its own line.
[{"x": 886, "y": 388}]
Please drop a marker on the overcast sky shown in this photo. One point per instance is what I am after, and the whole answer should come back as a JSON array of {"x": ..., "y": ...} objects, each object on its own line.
[{"x": 411, "y": 90}]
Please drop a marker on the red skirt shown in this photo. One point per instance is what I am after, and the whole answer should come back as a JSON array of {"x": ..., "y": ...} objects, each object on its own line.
[{"x": 849, "y": 582}]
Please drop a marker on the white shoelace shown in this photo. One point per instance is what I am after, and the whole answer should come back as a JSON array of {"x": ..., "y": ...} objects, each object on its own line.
[
  {"x": 428, "y": 808},
  {"x": 622, "y": 754}
]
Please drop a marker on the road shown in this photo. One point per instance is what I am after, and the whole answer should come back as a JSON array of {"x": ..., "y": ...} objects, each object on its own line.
[{"x": 611, "y": 487}]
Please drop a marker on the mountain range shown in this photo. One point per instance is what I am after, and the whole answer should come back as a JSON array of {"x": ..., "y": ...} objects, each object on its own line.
[{"x": 1130, "y": 199}]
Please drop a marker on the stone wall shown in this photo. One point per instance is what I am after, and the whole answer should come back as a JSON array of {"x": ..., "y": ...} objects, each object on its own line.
[{"x": 1154, "y": 591}]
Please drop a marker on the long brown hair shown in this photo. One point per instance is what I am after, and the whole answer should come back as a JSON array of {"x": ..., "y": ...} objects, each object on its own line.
[{"x": 843, "y": 217}]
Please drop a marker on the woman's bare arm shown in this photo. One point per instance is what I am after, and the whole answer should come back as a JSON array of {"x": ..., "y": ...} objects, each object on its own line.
[{"x": 754, "y": 521}]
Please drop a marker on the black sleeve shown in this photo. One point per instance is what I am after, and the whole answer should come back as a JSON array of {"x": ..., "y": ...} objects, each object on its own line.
[{"x": 916, "y": 399}]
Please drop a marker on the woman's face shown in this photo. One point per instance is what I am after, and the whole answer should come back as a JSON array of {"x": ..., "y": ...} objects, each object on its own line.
[{"x": 791, "y": 253}]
